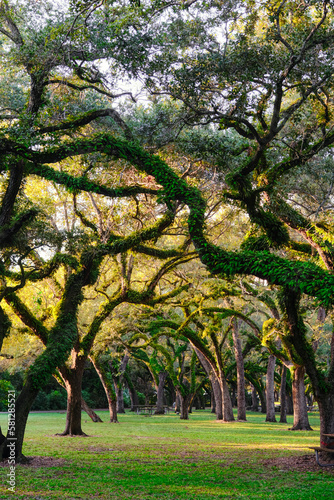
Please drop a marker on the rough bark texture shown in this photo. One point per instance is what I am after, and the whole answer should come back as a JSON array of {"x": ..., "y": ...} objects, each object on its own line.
[
  {"x": 73, "y": 383},
  {"x": 300, "y": 416},
  {"x": 241, "y": 394},
  {"x": 283, "y": 395}
]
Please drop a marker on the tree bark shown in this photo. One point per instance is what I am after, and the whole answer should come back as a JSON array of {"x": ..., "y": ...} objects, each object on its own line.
[
  {"x": 22, "y": 407},
  {"x": 132, "y": 393},
  {"x": 160, "y": 393},
  {"x": 216, "y": 387},
  {"x": 255, "y": 401},
  {"x": 184, "y": 405},
  {"x": 270, "y": 399},
  {"x": 283, "y": 395},
  {"x": 227, "y": 403},
  {"x": 118, "y": 383},
  {"x": 91, "y": 413},
  {"x": 241, "y": 394},
  {"x": 300, "y": 415},
  {"x": 73, "y": 383},
  {"x": 107, "y": 386}
]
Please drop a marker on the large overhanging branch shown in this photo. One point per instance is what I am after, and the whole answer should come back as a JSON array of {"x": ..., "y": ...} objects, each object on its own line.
[
  {"x": 84, "y": 119},
  {"x": 307, "y": 277},
  {"x": 83, "y": 184}
]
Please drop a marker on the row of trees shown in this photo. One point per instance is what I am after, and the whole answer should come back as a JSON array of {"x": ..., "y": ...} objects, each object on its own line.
[{"x": 227, "y": 161}]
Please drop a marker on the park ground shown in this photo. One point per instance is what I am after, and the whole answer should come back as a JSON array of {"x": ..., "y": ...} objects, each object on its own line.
[{"x": 165, "y": 458}]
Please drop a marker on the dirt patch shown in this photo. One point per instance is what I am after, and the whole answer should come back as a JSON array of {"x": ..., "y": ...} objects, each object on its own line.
[
  {"x": 39, "y": 462},
  {"x": 305, "y": 463}
]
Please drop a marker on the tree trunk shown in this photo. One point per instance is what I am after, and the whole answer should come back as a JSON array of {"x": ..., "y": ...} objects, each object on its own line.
[
  {"x": 300, "y": 416},
  {"x": 255, "y": 401},
  {"x": 119, "y": 397},
  {"x": 108, "y": 388},
  {"x": 213, "y": 401},
  {"x": 270, "y": 417},
  {"x": 16, "y": 434},
  {"x": 217, "y": 398},
  {"x": 118, "y": 383},
  {"x": 132, "y": 393},
  {"x": 227, "y": 404},
  {"x": 91, "y": 413},
  {"x": 326, "y": 410},
  {"x": 73, "y": 382},
  {"x": 283, "y": 395},
  {"x": 177, "y": 403},
  {"x": 184, "y": 406},
  {"x": 160, "y": 393},
  {"x": 241, "y": 393}
]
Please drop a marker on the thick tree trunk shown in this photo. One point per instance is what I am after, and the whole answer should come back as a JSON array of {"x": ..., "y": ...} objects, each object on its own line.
[
  {"x": 15, "y": 433},
  {"x": 91, "y": 413},
  {"x": 283, "y": 395},
  {"x": 73, "y": 382},
  {"x": 326, "y": 410},
  {"x": 160, "y": 393},
  {"x": 241, "y": 394},
  {"x": 184, "y": 406},
  {"x": 300, "y": 416},
  {"x": 227, "y": 403},
  {"x": 270, "y": 395}
]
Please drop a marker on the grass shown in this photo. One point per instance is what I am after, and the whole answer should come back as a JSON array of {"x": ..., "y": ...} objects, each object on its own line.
[{"x": 165, "y": 458}]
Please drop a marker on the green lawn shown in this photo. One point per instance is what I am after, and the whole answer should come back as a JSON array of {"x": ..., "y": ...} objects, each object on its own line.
[{"x": 163, "y": 457}]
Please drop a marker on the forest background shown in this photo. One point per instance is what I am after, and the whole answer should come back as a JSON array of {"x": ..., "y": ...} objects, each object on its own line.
[{"x": 167, "y": 196}]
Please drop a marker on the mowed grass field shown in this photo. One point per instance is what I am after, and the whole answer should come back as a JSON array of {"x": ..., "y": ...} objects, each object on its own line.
[{"x": 163, "y": 457}]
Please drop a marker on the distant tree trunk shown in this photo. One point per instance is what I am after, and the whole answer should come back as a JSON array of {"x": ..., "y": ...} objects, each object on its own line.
[
  {"x": 177, "y": 403},
  {"x": 283, "y": 395},
  {"x": 213, "y": 401},
  {"x": 132, "y": 393},
  {"x": 300, "y": 416},
  {"x": 107, "y": 386},
  {"x": 91, "y": 413},
  {"x": 270, "y": 390},
  {"x": 241, "y": 394},
  {"x": 160, "y": 393},
  {"x": 118, "y": 383},
  {"x": 289, "y": 404},
  {"x": 255, "y": 401},
  {"x": 216, "y": 396}
]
